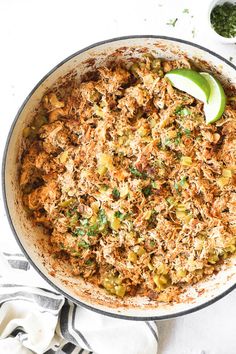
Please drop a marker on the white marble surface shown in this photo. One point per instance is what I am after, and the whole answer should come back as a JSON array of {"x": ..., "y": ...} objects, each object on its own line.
[{"x": 36, "y": 35}]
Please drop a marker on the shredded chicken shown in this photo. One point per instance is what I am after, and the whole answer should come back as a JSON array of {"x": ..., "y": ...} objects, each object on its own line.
[{"x": 134, "y": 188}]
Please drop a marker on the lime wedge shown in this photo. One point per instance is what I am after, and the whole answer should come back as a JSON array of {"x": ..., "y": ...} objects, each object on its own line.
[
  {"x": 215, "y": 106},
  {"x": 190, "y": 81}
]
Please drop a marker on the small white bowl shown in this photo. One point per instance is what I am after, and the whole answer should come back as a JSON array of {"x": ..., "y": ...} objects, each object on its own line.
[{"x": 214, "y": 34}]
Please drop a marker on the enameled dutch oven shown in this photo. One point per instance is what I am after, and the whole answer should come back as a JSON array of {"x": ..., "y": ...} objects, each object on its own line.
[{"x": 33, "y": 241}]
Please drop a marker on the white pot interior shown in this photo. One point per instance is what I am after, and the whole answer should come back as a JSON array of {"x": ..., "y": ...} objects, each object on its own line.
[{"x": 34, "y": 241}]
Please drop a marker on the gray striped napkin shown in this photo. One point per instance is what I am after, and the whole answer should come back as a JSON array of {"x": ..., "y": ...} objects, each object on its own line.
[{"x": 36, "y": 319}]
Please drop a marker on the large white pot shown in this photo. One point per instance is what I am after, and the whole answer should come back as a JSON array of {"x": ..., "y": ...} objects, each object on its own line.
[{"x": 31, "y": 238}]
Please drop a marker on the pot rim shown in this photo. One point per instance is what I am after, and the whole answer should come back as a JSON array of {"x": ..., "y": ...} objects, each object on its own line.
[{"x": 4, "y": 160}]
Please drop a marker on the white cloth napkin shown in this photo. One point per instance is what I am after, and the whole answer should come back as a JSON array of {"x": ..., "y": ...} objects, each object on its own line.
[{"x": 36, "y": 319}]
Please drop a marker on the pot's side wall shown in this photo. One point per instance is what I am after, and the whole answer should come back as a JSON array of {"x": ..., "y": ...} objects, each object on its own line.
[{"x": 34, "y": 241}]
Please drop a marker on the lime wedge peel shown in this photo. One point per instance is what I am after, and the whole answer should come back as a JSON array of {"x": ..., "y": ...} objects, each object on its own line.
[
  {"x": 215, "y": 106},
  {"x": 190, "y": 81}
]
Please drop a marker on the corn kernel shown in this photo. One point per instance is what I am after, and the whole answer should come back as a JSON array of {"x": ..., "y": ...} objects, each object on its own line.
[
  {"x": 120, "y": 290},
  {"x": 108, "y": 285},
  {"x": 186, "y": 161},
  {"x": 183, "y": 216},
  {"x": 115, "y": 223},
  {"x": 172, "y": 134},
  {"x": 180, "y": 207},
  {"x": 132, "y": 256},
  {"x": 105, "y": 160},
  {"x": 230, "y": 249},
  {"x": 161, "y": 172},
  {"x": 181, "y": 273},
  {"x": 150, "y": 266},
  {"x": 93, "y": 219},
  {"x": 67, "y": 202},
  {"x": 95, "y": 206},
  {"x": 227, "y": 173},
  {"x": 63, "y": 157},
  {"x": 124, "y": 190},
  {"x": 213, "y": 259},
  {"x": 102, "y": 170},
  {"x": 222, "y": 181},
  {"x": 142, "y": 131},
  {"x": 98, "y": 111},
  {"x": 147, "y": 214},
  {"x": 114, "y": 285},
  {"x": 161, "y": 281},
  {"x": 104, "y": 163},
  {"x": 121, "y": 140},
  {"x": 162, "y": 269},
  {"x": 140, "y": 251}
]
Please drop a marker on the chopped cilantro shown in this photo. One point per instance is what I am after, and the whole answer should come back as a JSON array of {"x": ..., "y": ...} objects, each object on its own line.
[
  {"x": 177, "y": 141},
  {"x": 176, "y": 186},
  {"x": 93, "y": 230},
  {"x": 154, "y": 184},
  {"x": 182, "y": 111},
  {"x": 84, "y": 222},
  {"x": 152, "y": 243},
  {"x": 102, "y": 216},
  {"x": 118, "y": 214},
  {"x": 230, "y": 58},
  {"x": 137, "y": 173},
  {"x": 62, "y": 246},
  {"x": 147, "y": 191},
  {"x": 178, "y": 138},
  {"x": 159, "y": 145},
  {"x": 71, "y": 212},
  {"x": 185, "y": 112},
  {"x": 167, "y": 142},
  {"x": 223, "y": 19},
  {"x": 73, "y": 220},
  {"x": 172, "y": 22},
  {"x": 83, "y": 244},
  {"x": 186, "y": 11},
  {"x": 183, "y": 181},
  {"x": 179, "y": 134},
  {"x": 187, "y": 132},
  {"x": 76, "y": 254},
  {"x": 116, "y": 193},
  {"x": 68, "y": 214},
  {"x": 99, "y": 226},
  {"x": 89, "y": 262},
  {"x": 178, "y": 109},
  {"x": 78, "y": 231}
]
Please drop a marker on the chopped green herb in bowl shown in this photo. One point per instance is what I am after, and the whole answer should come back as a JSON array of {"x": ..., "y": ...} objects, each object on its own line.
[{"x": 222, "y": 20}]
